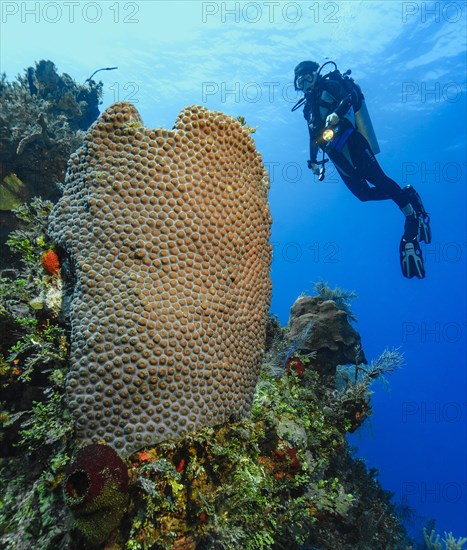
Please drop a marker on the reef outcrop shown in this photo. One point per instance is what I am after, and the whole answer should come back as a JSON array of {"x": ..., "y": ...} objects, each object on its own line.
[
  {"x": 43, "y": 118},
  {"x": 42, "y": 121},
  {"x": 322, "y": 327},
  {"x": 168, "y": 233}
]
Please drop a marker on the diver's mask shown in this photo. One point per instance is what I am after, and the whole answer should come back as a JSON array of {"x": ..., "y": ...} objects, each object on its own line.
[{"x": 305, "y": 82}]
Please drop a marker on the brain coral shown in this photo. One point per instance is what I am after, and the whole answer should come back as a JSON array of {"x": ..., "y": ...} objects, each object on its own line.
[{"x": 168, "y": 232}]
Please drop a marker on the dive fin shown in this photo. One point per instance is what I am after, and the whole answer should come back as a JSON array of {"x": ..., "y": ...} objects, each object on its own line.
[
  {"x": 411, "y": 259},
  {"x": 424, "y": 229}
]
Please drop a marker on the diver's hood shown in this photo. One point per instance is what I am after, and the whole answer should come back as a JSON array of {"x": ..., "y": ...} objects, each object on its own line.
[{"x": 305, "y": 67}]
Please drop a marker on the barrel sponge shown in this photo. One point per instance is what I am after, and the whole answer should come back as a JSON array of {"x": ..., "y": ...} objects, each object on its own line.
[{"x": 168, "y": 234}]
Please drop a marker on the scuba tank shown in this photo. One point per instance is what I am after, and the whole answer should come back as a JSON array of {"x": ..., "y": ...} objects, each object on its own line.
[
  {"x": 363, "y": 122},
  {"x": 365, "y": 127}
]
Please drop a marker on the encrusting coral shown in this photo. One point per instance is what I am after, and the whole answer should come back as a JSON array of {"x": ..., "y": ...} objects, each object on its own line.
[{"x": 168, "y": 232}]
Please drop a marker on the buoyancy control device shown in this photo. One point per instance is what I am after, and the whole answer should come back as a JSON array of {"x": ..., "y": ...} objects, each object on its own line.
[{"x": 362, "y": 117}]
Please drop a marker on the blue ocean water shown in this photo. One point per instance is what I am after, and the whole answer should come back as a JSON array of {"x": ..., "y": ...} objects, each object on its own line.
[{"x": 238, "y": 57}]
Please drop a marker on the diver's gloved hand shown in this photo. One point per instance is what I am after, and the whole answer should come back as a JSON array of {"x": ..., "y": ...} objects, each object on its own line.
[
  {"x": 332, "y": 119},
  {"x": 314, "y": 167}
]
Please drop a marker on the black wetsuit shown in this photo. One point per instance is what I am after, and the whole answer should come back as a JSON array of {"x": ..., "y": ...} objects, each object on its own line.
[{"x": 349, "y": 151}]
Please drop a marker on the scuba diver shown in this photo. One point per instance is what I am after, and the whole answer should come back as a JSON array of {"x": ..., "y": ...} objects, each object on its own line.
[{"x": 339, "y": 125}]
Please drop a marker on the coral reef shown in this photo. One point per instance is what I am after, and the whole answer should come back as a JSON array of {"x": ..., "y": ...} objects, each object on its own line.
[
  {"x": 433, "y": 542},
  {"x": 282, "y": 477},
  {"x": 35, "y": 426},
  {"x": 95, "y": 488},
  {"x": 168, "y": 232},
  {"x": 42, "y": 122}
]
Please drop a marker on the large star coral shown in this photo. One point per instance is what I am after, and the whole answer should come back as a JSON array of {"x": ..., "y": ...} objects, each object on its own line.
[{"x": 168, "y": 232}]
